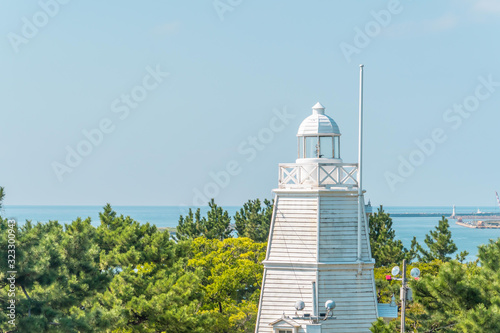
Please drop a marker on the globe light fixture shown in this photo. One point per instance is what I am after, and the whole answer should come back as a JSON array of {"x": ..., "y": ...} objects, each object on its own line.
[
  {"x": 330, "y": 305},
  {"x": 300, "y": 305},
  {"x": 415, "y": 272}
]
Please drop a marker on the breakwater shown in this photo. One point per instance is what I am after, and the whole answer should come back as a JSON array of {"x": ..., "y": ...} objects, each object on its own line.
[
  {"x": 447, "y": 215},
  {"x": 480, "y": 224}
]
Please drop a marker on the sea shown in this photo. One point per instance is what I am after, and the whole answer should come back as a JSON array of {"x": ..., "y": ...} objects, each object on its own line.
[{"x": 466, "y": 239}]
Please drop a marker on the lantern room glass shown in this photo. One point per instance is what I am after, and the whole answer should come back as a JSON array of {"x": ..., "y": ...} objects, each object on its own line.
[
  {"x": 319, "y": 147},
  {"x": 325, "y": 147},
  {"x": 311, "y": 147}
]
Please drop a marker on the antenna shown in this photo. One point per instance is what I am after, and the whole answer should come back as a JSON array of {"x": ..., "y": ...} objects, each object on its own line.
[{"x": 360, "y": 158}]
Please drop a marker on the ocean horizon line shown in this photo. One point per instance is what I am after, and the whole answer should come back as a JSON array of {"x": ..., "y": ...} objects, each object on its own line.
[{"x": 96, "y": 205}]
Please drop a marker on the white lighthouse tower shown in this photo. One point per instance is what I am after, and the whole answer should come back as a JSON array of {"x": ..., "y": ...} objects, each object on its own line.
[{"x": 318, "y": 249}]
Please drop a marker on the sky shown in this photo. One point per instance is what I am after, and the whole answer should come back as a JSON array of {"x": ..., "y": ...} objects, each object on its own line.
[{"x": 173, "y": 102}]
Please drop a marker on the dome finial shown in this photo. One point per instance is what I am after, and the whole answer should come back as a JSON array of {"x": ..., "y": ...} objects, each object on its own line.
[{"x": 318, "y": 108}]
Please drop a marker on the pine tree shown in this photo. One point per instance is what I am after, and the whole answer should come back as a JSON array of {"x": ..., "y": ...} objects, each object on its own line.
[
  {"x": 153, "y": 298},
  {"x": 439, "y": 243},
  {"x": 189, "y": 226},
  {"x": 485, "y": 315},
  {"x": 456, "y": 297},
  {"x": 448, "y": 296},
  {"x": 215, "y": 226},
  {"x": 253, "y": 220},
  {"x": 151, "y": 290},
  {"x": 2, "y": 195},
  {"x": 126, "y": 242},
  {"x": 386, "y": 250},
  {"x": 57, "y": 274},
  {"x": 217, "y": 223}
]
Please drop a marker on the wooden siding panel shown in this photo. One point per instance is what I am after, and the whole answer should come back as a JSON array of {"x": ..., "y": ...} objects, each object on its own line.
[
  {"x": 283, "y": 287},
  {"x": 339, "y": 230},
  {"x": 294, "y": 236},
  {"x": 355, "y": 302}
]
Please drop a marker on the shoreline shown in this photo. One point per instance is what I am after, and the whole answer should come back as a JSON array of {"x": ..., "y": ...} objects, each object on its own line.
[{"x": 475, "y": 226}]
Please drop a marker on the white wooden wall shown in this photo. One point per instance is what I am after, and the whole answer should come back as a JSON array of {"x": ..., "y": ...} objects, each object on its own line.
[
  {"x": 292, "y": 262},
  {"x": 339, "y": 229},
  {"x": 295, "y": 230},
  {"x": 354, "y": 297},
  {"x": 283, "y": 287}
]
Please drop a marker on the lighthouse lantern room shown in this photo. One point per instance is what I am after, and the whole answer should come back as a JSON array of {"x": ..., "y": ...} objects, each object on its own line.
[
  {"x": 318, "y": 270},
  {"x": 319, "y": 137}
]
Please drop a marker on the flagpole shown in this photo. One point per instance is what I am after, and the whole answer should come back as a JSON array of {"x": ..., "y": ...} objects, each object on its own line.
[{"x": 360, "y": 159}]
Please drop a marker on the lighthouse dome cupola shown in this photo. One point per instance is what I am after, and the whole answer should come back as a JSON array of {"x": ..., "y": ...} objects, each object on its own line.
[{"x": 318, "y": 138}]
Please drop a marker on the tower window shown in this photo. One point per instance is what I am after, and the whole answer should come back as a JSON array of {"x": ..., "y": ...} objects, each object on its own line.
[
  {"x": 326, "y": 146},
  {"x": 319, "y": 147},
  {"x": 312, "y": 147}
]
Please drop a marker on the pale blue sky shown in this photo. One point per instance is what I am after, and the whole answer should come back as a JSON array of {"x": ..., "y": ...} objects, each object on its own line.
[{"x": 228, "y": 78}]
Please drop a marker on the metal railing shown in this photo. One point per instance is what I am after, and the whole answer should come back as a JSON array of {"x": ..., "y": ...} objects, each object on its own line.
[{"x": 328, "y": 175}]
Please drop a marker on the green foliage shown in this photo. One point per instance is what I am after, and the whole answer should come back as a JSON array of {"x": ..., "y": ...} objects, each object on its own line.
[
  {"x": 386, "y": 289},
  {"x": 212, "y": 286},
  {"x": 455, "y": 297},
  {"x": 481, "y": 319},
  {"x": 124, "y": 242},
  {"x": 215, "y": 226},
  {"x": 218, "y": 223},
  {"x": 386, "y": 250},
  {"x": 190, "y": 226},
  {"x": 231, "y": 277},
  {"x": 2, "y": 195},
  {"x": 150, "y": 291},
  {"x": 254, "y": 220},
  {"x": 447, "y": 296},
  {"x": 124, "y": 276},
  {"x": 440, "y": 244},
  {"x": 450, "y": 296},
  {"x": 380, "y": 326},
  {"x": 485, "y": 316},
  {"x": 57, "y": 271},
  {"x": 156, "y": 298}
]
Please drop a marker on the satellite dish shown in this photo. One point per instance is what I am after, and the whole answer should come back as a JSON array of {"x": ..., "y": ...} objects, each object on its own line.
[
  {"x": 300, "y": 305},
  {"x": 415, "y": 272},
  {"x": 395, "y": 271},
  {"x": 330, "y": 305}
]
